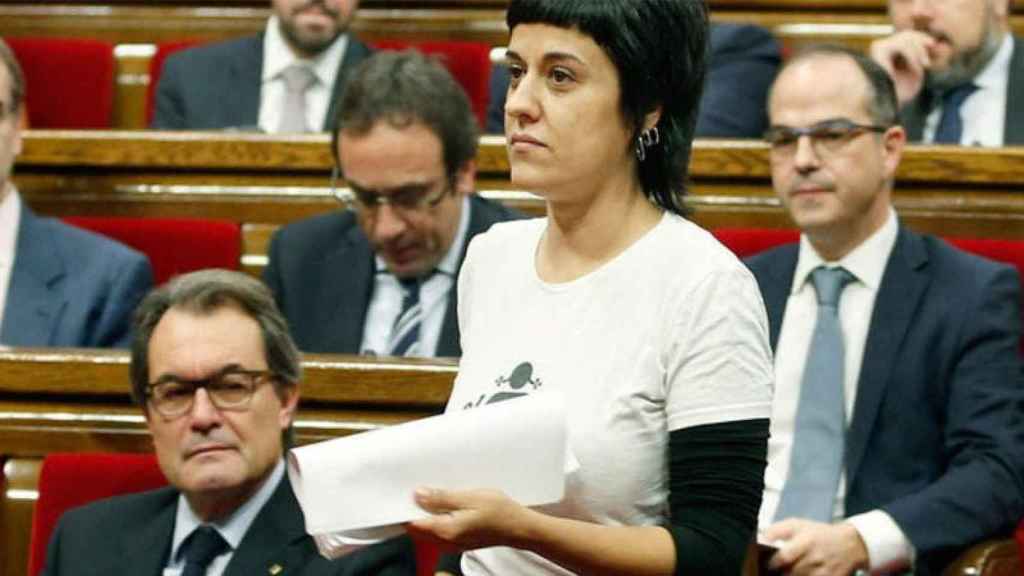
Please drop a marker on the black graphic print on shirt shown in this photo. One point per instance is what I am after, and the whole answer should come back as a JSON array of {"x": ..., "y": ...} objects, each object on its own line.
[{"x": 520, "y": 382}]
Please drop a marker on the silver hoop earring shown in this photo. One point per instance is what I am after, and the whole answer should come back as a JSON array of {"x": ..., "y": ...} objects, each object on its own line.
[{"x": 647, "y": 139}]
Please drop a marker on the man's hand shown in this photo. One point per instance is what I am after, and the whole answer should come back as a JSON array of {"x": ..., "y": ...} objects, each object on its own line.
[
  {"x": 906, "y": 56},
  {"x": 816, "y": 549},
  {"x": 471, "y": 519}
]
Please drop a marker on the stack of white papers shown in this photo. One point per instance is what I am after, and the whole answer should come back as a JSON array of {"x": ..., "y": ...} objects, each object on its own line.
[{"x": 359, "y": 489}]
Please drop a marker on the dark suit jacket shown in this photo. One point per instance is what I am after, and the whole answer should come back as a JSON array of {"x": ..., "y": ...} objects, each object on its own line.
[
  {"x": 743, "y": 60},
  {"x": 322, "y": 270},
  {"x": 218, "y": 85},
  {"x": 937, "y": 431},
  {"x": 70, "y": 287},
  {"x": 131, "y": 535},
  {"x": 915, "y": 113}
]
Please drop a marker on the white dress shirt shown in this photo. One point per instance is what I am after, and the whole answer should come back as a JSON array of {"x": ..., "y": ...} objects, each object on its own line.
[
  {"x": 887, "y": 545},
  {"x": 386, "y": 302},
  {"x": 10, "y": 219},
  {"x": 232, "y": 528},
  {"x": 277, "y": 56},
  {"x": 984, "y": 111}
]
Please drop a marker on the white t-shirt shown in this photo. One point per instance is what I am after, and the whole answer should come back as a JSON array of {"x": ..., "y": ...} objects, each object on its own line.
[{"x": 672, "y": 333}]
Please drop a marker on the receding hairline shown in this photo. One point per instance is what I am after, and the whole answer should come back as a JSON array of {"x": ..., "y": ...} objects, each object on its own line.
[{"x": 811, "y": 58}]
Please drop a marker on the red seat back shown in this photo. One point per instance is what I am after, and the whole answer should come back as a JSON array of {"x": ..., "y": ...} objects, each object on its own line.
[
  {"x": 746, "y": 242},
  {"x": 69, "y": 480},
  {"x": 1020, "y": 545},
  {"x": 468, "y": 62},
  {"x": 174, "y": 245},
  {"x": 69, "y": 82},
  {"x": 156, "y": 68}
]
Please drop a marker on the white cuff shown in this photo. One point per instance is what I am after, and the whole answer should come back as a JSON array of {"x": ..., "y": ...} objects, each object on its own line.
[{"x": 888, "y": 548}]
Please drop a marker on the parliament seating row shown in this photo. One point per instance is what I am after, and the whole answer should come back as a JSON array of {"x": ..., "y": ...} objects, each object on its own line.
[
  {"x": 84, "y": 68},
  {"x": 53, "y": 397},
  {"x": 138, "y": 30},
  {"x": 260, "y": 182}
]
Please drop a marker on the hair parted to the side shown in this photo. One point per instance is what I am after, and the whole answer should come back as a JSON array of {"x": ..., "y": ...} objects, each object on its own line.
[
  {"x": 659, "y": 48},
  {"x": 882, "y": 104},
  {"x": 205, "y": 292},
  {"x": 16, "y": 75},
  {"x": 403, "y": 88}
]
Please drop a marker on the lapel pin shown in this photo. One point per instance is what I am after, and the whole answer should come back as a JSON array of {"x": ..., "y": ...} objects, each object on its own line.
[{"x": 275, "y": 569}]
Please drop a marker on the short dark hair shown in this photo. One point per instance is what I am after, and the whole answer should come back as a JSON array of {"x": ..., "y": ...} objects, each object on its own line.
[
  {"x": 205, "y": 292},
  {"x": 882, "y": 105},
  {"x": 16, "y": 75},
  {"x": 404, "y": 88},
  {"x": 659, "y": 48}
]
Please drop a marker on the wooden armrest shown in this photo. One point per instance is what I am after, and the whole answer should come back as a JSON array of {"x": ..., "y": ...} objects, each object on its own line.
[{"x": 987, "y": 558}]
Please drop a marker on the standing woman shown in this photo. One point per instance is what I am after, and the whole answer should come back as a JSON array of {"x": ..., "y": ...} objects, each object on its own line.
[{"x": 654, "y": 332}]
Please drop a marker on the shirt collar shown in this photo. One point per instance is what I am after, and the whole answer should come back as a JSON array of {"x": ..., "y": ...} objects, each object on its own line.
[
  {"x": 232, "y": 528},
  {"x": 866, "y": 262},
  {"x": 996, "y": 73},
  {"x": 277, "y": 56},
  {"x": 449, "y": 264},
  {"x": 10, "y": 216}
]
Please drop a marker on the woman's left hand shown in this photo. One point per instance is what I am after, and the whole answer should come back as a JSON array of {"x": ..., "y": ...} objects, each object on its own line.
[{"x": 469, "y": 519}]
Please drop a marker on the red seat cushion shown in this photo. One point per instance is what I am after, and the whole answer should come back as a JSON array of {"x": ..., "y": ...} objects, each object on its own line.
[
  {"x": 70, "y": 480},
  {"x": 69, "y": 81},
  {"x": 468, "y": 62},
  {"x": 174, "y": 245}
]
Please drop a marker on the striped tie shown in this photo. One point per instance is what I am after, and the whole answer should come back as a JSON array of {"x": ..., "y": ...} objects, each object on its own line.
[{"x": 405, "y": 336}]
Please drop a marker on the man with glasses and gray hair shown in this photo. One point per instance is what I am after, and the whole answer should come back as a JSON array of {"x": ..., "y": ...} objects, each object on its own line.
[
  {"x": 217, "y": 376},
  {"x": 379, "y": 277},
  {"x": 896, "y": 436}
]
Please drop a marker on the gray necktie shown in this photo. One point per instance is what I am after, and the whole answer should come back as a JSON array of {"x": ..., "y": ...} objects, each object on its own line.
[
  {"x": 819, "y": 437},
  {"x": 297, "y": 80},
  {"x": 405, "y": 336}
]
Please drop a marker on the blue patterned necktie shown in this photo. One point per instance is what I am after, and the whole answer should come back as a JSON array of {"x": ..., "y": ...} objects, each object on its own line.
[
  {"x": 405, "y": 335},
  {"x": 819, "y": 437},
  {"x": 951, "y": 124},
  {"x": 201, "y": 547}
]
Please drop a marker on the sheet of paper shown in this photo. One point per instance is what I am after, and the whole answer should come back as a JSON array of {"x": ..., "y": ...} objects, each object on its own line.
[{"x": 359, "y": 489}]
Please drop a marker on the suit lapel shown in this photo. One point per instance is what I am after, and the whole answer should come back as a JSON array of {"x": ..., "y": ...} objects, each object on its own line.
[
  {"x": 34, "y": 299},
  {"x": 1014, "y": 130},
  {"x": 776, "y": 286},
  {"x": 899, "y": 296},
  {"x": 144, "y": 551},
  {"x": 355, "y": 53},
  {"x": 272, "y": 539},
  {"x": 914, "y": 114},
  {"x": 345, "y": 292},
  {"x": 246, "y": 85}
]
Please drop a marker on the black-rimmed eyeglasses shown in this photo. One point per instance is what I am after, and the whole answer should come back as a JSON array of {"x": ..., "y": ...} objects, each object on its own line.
[
  {"x": 230, "y": 389},
  {"x": 828, "y": 137}
]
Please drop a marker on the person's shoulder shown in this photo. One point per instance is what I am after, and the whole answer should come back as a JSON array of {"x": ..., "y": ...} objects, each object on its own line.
[
  {"x": 320, "y": 230},
  {"x": 956, "y": 265},
  {"x": 493, "y": 210},
  {"x": 729, "y": 38},
  {"x": 216, "y": 53},
  {"x": 120, "y": 510},
  {"x": 692, "y": 255},
  {"x": 85, "y": 248},
  {"x": 507, "y": 236}
]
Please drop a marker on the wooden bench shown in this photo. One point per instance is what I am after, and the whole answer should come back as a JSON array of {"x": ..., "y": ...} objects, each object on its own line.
[
  {"x": 135, "y": 27},
  {"x": 263, "y": 181},
  {"x": 77, "y": 400}
]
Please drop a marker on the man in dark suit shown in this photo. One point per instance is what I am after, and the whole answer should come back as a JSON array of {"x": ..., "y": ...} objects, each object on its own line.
[
  {"x": 217, "y": 376},
  {"x": 958, "y": 70},
  {"x": 246, "y": 83},
  {"x": 896, "y": 428},
  {"x": 59, "y": 285},
  {"x": 406, "y": 147},
  {"x": 742, "y": 62}
]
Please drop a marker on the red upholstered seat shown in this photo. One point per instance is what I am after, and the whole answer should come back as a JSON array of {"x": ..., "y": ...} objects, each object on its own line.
[
  {"x": 174, "y": 246},
  {"x": 1020, "y": 545},
  {"x": 156, "y": 68},
  {"x": 69, "y": 81},
  {"x": 70, "y": 480},
  {"x": 468, "y": 62},
  {"x": 749, "y": 241}
]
